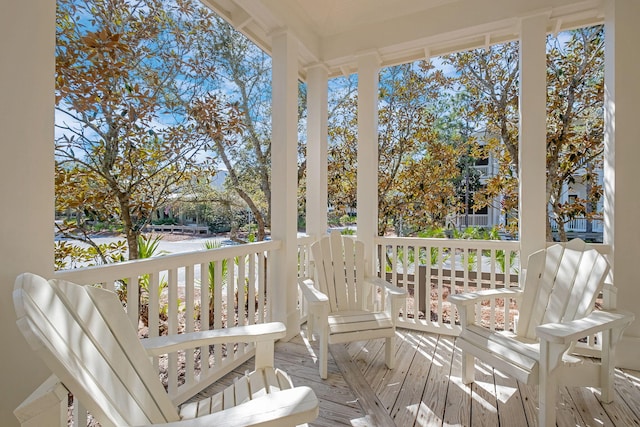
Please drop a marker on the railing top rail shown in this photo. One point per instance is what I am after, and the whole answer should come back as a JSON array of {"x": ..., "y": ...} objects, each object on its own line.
[
  {"x": 102, "y": 273},
  {"x": 448, "y": 243}
]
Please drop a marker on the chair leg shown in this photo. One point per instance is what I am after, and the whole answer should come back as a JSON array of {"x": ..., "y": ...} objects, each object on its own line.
[
  {"x": 550, "y": 357},
  {"x": 547, "y": 395},
  {"x": 607, "y": 371},
  {"x": 310, "y": 327},
  {"x": 324, "y": 351},
  {"x": 468, "y": 367},
  {"x": 390, "y": 352}
]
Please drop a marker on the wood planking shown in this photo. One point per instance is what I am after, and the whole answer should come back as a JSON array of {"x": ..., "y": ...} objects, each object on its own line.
[
  {"x": 567, "y": 415},
  {"x": 589, "y": 406},
  {"x": 627, "y": 384},
  {"x": 529, "y": 395},
  {"x": 458, "y": 401},
  {"x": 366, "y": 397},
  {"x": 430, "y": 392},
  {"x": 432, "y": 406},
  {"x": 405, "y": 410},
  {"x": 509, "y": 400},
  {"x": 484, "y": 405}
]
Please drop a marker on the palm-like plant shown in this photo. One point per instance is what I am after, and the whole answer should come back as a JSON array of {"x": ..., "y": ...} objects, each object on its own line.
[
  {"x": 224, "y": 268},
  {"x": 147, "y": 248}
]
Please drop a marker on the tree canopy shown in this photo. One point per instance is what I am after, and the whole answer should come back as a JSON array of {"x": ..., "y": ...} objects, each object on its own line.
[{"x": 154, "y": 96}]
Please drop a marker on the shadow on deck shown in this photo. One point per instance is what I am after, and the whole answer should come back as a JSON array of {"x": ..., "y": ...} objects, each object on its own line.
[{"x": 425, "y": 388}]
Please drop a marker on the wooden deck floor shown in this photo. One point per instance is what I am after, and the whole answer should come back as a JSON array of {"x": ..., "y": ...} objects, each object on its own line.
[{"x": 425, "y": 388}]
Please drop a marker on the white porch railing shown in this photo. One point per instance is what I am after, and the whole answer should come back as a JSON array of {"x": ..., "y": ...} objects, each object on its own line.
[
  {"x": 580, "y": 225},
  {"x": 471, "y": 220},
  {"x": 185, "y": 292},
  {"x": 431, "y": 269}
]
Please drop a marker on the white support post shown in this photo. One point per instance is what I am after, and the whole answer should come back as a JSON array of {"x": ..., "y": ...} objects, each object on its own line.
[
  {"x": 317, "y": 105},
  {"x": 532, "y": 145},
  {"x": 621, "y": 171},
  {"x": 282, "y": 269},
  {"x": 27, "y": 85},
  {"x": 367, "y": 194}
]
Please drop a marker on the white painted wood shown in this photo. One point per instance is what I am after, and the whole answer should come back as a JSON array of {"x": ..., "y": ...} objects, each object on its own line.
[
  {"x": 532, "y": 110},
  {"x": 46, "y": 406},
  {"x": 563, "y": 281},
  {"x": 84, "y": 336},
  {"x": 367, "y": 176},
  {"x": 339, "y": 306},
  {"x": 621, "y": 172},
  {"x": 159, "y": 269},
  {"x": 284, "y": 179},
  {"x": 27, "y": 84},
  {"x": 316, "y": 166}
]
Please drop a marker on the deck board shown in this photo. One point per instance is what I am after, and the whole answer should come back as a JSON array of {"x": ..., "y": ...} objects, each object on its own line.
[{"x": 425, "y": 388}]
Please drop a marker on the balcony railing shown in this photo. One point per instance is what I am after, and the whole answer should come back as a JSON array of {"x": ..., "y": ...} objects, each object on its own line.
[
  {"x": 432, "y": 269},
  {"x": 580, "y": 225},
  {"x": 471, "y": 220}
]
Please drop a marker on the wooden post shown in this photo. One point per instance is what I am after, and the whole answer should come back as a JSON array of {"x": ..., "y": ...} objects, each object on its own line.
[
  {"x": 317, "y": 199},
  {"x": 283, "y": 264},
  {"x": 367, "y": 196},
  {"x": 532, "y": 145},
  {"x": 621, "y": 171}
]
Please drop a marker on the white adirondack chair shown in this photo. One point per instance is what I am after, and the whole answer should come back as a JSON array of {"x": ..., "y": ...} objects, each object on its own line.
[
  {"x": 84, "y": 336},
  {"x": 556, "y": 309},
  {"x": 344, "y": 303}
]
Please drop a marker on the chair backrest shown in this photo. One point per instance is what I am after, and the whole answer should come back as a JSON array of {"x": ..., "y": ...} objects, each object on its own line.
[
  {"x": 561, "y": 284},
  {"x": 339, "y": 267},
  {"x": 84, "y": 336}
]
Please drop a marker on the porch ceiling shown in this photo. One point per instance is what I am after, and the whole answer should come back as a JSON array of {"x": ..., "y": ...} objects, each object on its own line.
[{"x": 335, "y": 32}]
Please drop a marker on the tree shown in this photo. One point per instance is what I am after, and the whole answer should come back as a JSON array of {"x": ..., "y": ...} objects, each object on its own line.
[
  {"x": 574, "y": 118},
  {"x": 490, "y": 78},
  {"x": 456, "y": 125},
  {"x": 125, "y": 72},
  {"x": 342, "y": 145},
  {"x": 245, "y": 75},
  {"x": 575, "y": 123},
  {"x": 415, "y": 169}
]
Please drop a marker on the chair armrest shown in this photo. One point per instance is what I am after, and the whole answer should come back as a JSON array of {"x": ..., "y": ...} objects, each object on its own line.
[
  {"x": 597, "y": 321},
  {"x": 251, "y": 333},
  {"x": 392, "y": 291},
  {"x": 468, "y": 298},
  {"x": 293, "y": 406},
  {"x": 47, "y": 405},
  {"x": 311, "y": 294}
]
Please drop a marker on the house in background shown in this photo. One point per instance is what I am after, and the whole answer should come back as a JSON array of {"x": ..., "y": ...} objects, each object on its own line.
[
  {"x": 589, "y": 229},
  {"x": 314, "y": 40}
]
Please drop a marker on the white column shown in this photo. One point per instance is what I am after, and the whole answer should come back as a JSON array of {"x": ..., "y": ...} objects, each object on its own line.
[
  {"x": 367, "y": 194},
  {"x": 532, "y": 145},
  {"x": 621, "y": 171},
  {"x": 27, "y": 40},
  {"x": 284, "y": 181},
  {"x": 317, "y": 87}
]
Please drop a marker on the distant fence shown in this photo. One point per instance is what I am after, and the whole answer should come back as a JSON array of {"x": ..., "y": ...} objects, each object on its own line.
[{"x": 193, "y": 229}]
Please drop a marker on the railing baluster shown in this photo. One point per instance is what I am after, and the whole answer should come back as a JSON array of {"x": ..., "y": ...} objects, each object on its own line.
[
  {"x": 440, "y": 282},
  {"x": 264, "y": 313},
  {"x": 204, "y": 315},
  {"x": 251, "y": 289},
  {"x": 153, "y": 314},
  {"x": 133, "y": 296},
  {"x": 189, "y": 320},
  {"x": 217, "y": 307},
  {"x": 172, "y": 328}
]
